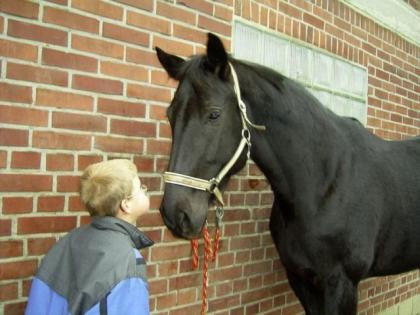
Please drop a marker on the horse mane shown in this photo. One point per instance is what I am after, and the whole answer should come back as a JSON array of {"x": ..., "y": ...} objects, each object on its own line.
[
  {"x": 289, "y": 95},
  {"x": 272, "y": 76}
]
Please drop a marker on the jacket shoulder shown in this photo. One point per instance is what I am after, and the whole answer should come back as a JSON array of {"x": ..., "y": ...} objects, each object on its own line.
[{"x": 44, "y": 300}]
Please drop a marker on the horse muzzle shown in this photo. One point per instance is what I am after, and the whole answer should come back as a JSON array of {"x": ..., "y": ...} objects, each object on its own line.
[{"x": 182, "y": 219}]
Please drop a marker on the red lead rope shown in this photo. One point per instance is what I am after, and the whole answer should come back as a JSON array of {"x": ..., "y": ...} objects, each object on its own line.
[{"x": 209, "y": 254}]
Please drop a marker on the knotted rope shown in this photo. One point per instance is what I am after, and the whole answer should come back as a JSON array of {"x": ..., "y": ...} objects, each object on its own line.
[{"x": 210, "y": 254}]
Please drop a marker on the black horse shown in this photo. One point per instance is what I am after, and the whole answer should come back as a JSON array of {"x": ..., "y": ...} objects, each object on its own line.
[{"x": 347, "y": 203}]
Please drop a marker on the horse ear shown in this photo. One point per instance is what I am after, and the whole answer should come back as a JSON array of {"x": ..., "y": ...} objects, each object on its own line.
[
  {"x": 171, "y": 63},
  {"x": 217, "y": 58}
]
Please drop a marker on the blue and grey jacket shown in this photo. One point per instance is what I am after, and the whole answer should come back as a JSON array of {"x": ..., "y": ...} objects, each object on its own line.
[{"x": 95, "y": 269}]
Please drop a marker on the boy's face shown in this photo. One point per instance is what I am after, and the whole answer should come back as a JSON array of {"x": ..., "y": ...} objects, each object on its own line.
[{"x": 139, "y": 200}]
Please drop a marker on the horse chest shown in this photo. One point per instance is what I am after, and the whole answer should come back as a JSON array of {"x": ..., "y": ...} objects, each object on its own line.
[
  {"x": 306, "y": 250},
  {"x": 299, "y": 257},
  {"x": 293, "y": 247}
]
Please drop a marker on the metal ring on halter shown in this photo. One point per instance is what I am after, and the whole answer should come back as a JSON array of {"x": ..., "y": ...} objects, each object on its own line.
[{"x": 213, "y": 185}]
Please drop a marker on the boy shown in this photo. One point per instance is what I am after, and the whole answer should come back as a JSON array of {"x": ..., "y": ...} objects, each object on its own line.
[{"x": 98, "y": 269}]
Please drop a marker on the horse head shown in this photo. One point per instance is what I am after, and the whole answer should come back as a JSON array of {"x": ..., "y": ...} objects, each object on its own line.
[{"x": 206, "y": 129}]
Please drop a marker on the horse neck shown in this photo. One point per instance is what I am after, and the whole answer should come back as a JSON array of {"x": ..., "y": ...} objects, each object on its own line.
[{"x": 293, "y": 150}]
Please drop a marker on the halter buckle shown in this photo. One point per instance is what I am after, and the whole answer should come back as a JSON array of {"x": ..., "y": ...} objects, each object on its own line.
[{"x": 242, "y": 106}]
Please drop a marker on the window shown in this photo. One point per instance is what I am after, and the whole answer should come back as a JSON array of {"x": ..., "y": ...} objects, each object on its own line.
[{"x": 338, "y": 84}]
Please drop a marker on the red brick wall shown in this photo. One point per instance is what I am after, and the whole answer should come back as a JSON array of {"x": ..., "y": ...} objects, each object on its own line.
[{"x": 79, "y": 83}]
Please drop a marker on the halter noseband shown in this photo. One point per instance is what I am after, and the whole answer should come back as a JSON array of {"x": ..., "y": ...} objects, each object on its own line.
[{"x": 212, "y": 185}]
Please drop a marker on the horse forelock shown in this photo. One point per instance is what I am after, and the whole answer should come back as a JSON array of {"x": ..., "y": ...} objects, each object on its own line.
[{"x": 197, "y": 79}]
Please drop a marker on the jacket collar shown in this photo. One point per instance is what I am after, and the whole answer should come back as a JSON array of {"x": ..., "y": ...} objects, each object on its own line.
[{"x": 138, "y": 238}]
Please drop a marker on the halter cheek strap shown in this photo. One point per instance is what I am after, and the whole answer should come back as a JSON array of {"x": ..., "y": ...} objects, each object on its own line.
[{"x": 212, "y": 185}]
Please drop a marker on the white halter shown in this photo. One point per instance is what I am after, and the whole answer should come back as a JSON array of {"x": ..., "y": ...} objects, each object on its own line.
[{"x": 212, "y": 185}]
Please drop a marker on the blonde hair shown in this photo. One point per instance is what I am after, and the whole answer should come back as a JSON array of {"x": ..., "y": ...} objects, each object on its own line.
[{"x": 105, "y": 184}]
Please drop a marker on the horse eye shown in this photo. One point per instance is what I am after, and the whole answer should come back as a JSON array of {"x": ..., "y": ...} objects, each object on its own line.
[{"x": 214, "y": 115}]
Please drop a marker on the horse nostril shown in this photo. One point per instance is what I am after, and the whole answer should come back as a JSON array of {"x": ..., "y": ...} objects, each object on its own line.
[{"x": 184, "y": 222}]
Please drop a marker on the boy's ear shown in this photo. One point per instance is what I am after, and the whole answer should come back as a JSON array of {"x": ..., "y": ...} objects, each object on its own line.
[
  {"x": 125, "y": 206},
  {"x": 170, "y": 63},
  {"x": 217, "y": 57}
]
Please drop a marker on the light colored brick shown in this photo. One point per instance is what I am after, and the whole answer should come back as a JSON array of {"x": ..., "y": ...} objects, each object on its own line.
[
  {"x": 55, "y": 224},
  {"x": 173, "y": 46},
  {"x": 125, "y": 34},
  {"x": 121, "y": 108},
  {"x": 118, "y": 144},
  {"x": 25, "y": 183},
  {"x": 26, "y": 160},
  {"x": 15, "y": 93},
  {"x": 175, "y": 13},
  {"x": 147, "y": 22},
  {"x": 69, "y": 60},
  {"x": 13, "y": 137},
  {"x": 36, "y": 74},
  {"x": 142, "y": 57},
  {"x": 23, "y": 116},
  {"x": 148, "y": 93},
  {"x": 17, "y": 205},
  {"x": 20, "y": 8},
  {"x": 141, "y": 4},
  {"x": 190, "y": 34},
  {"x": 57, "y": 140},
  {"x": 100, "y": 8},
  {"x": 92, "y": 123},
  {"x": 133, "y": 128},
  {"x": 37, "y": 33},
  {"x": 97, "y": 46},
  {"x": 70, "y": 20},
  {"x": 125, "y": 71},
  {"x": 15, "y": 50},
  {"x": 106, "y": 86},
  {"x": 60, "y": 162},
  {"x": 50, "y": 98}
]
